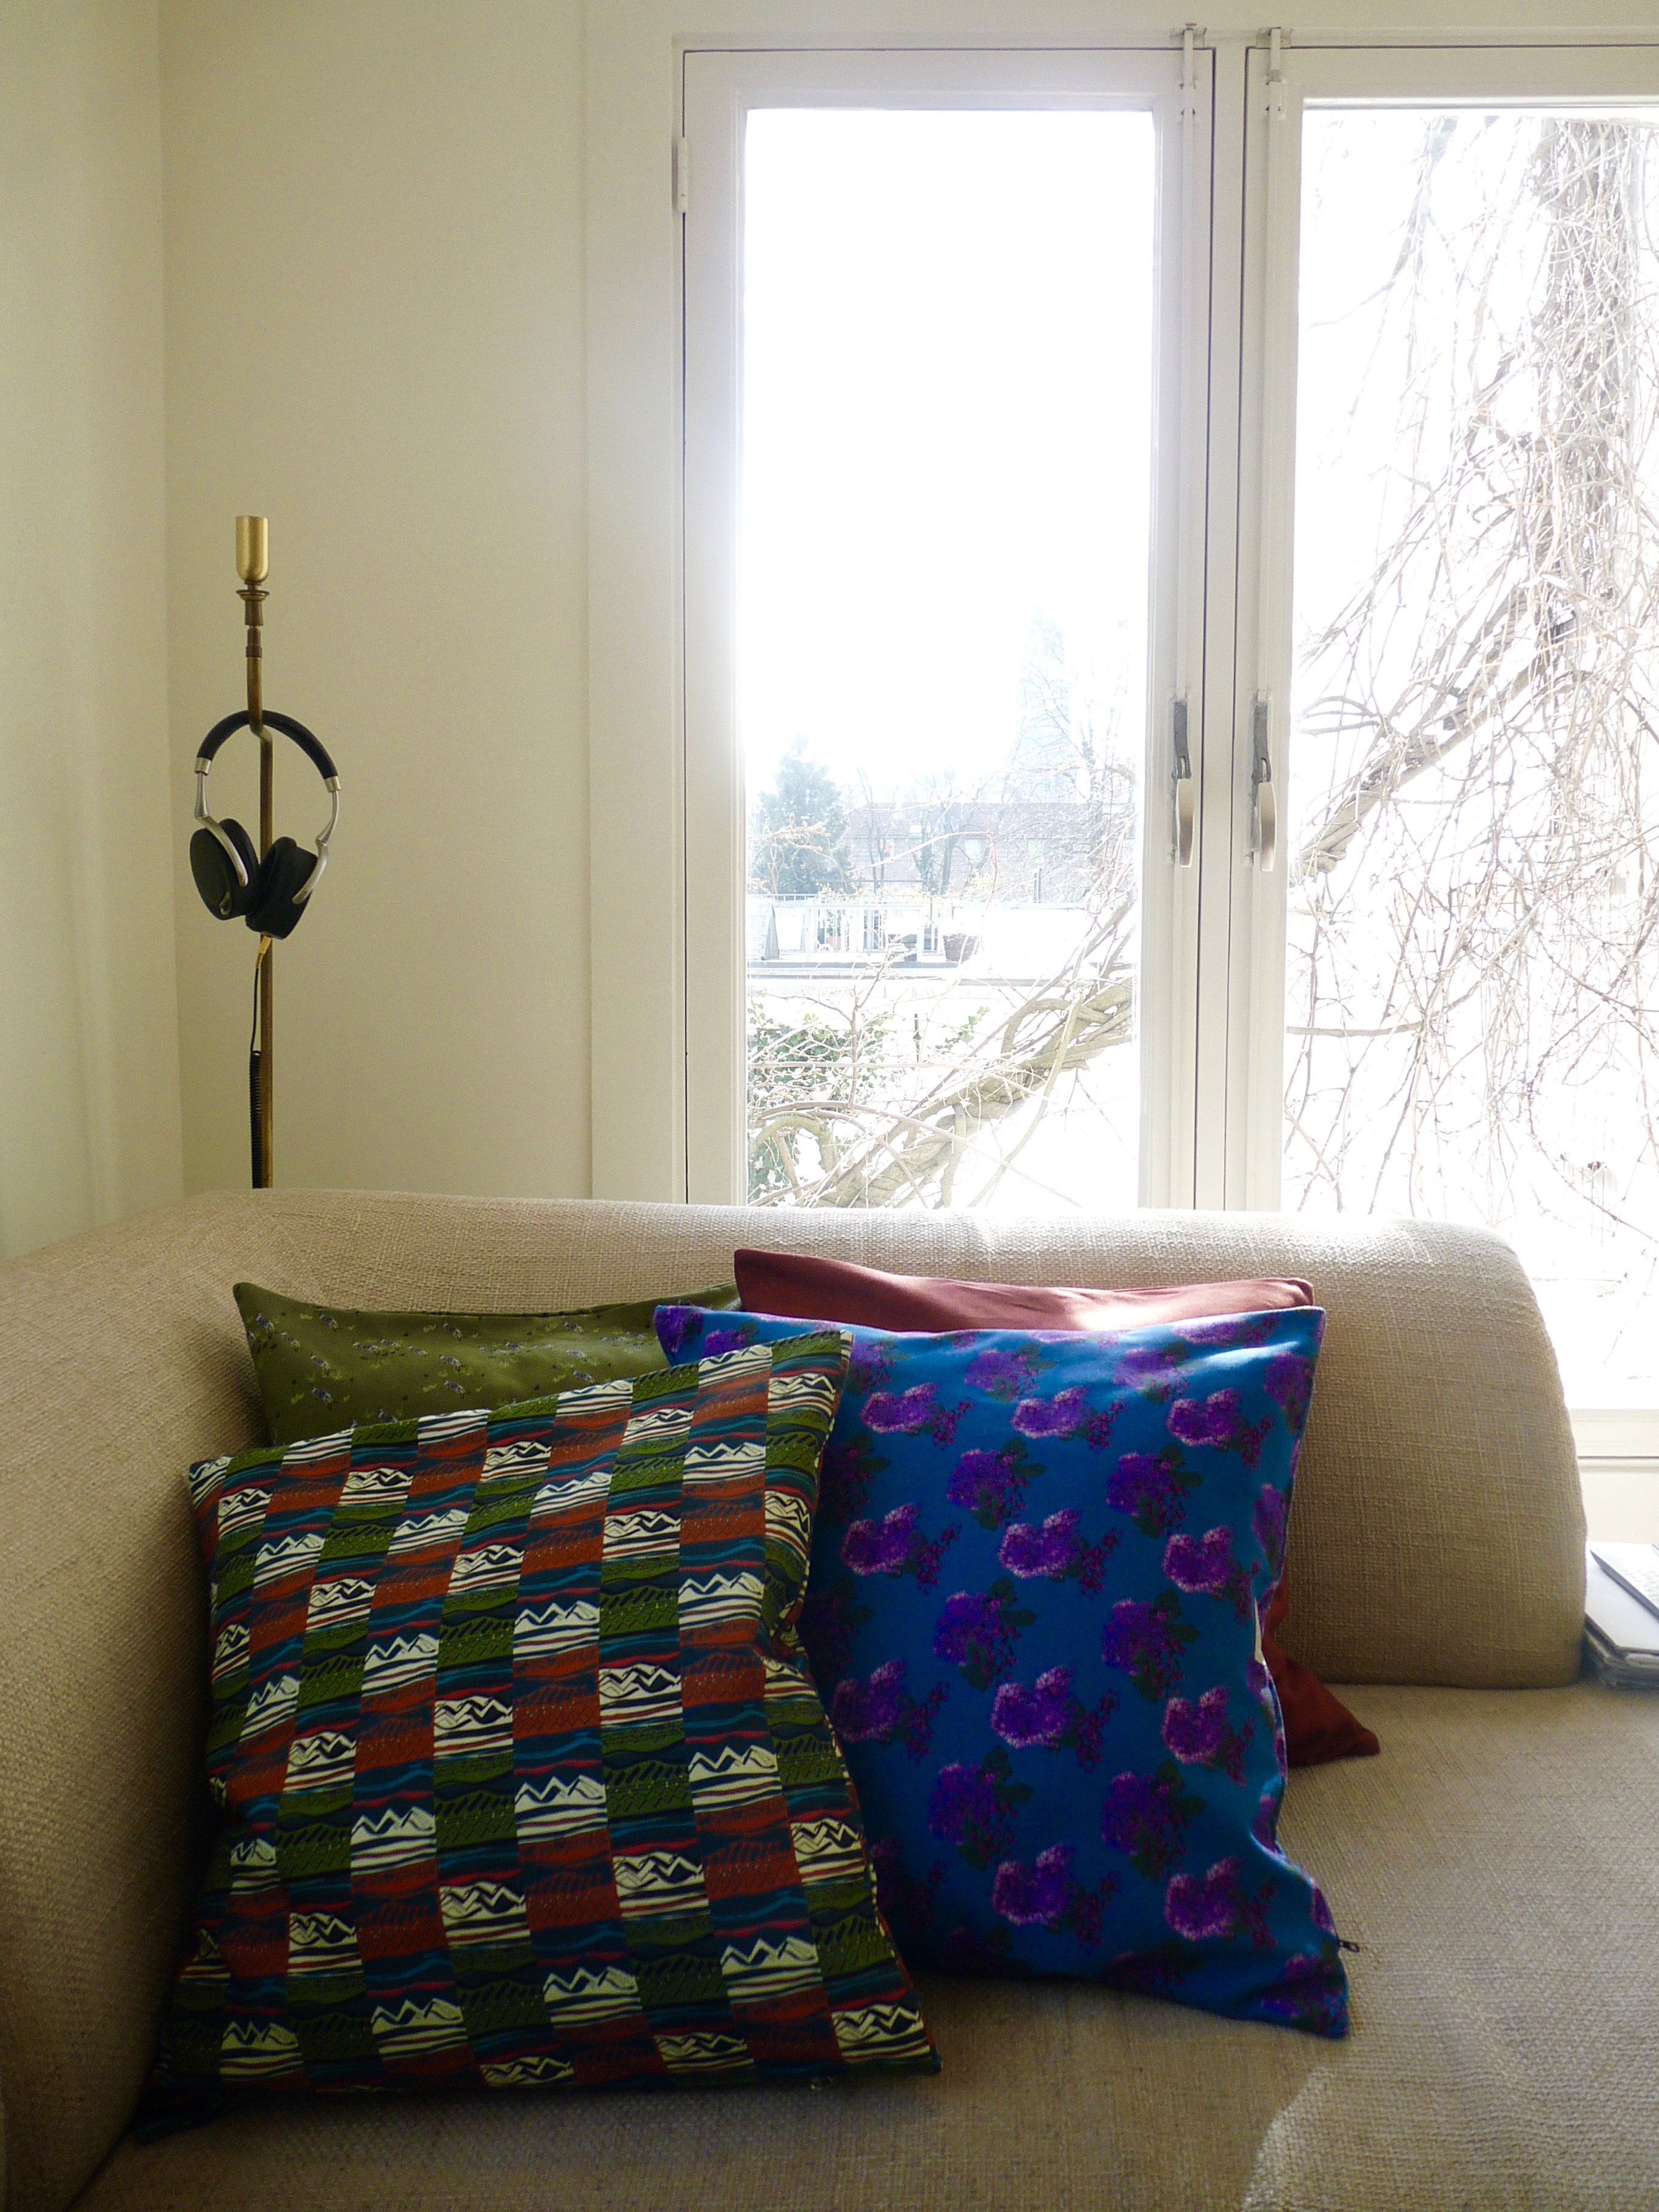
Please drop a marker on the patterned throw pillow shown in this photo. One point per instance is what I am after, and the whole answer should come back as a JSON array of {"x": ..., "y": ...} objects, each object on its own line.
[
  {"x": 323, "y": 1368},
  {"x": 522, "y": 1776},
  {"x": 1034, "y": 1611}
]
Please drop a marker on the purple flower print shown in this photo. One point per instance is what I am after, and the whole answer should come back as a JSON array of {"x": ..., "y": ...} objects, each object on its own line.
[
  {"x": 868, "y": 1366},
  {"x": 864, "y": 1712},
  {"x": 1034, "y": 1896},
  {"x": 963, "y": 1810},
  {"x": 1309, "y": 1993},
  {"x": 1216, "y": 1421},
  {"x": 913, "y": 1413},
  {"x": 1195, "y": 1564},
  {"x": 1004, "y": 1375},
  {"x": 1148, "y": 1489},
  {"x": 1200, "y": 1907},
  {"x": 1097, "y": 1428},
  {"x": 1048, "y": 1895},
  {"x": 1154, "y": 1370},
  {"x": 1028, "y": 1553},
  {"x": 1146, "y": 1817},
  {"x": 1321, "y": 1911},
  {"x": 978, "y": 1631},
  {"x": 1055, "y": 1551},
  {"x": 1267, "y": 1519},
  {"x": 1204, "y": 1420},
  {"x": 904, "y": 1903},
  {"x": 727, "y": 1339},
  {"x": 882, "y": 1710},
  {"x": 896, "y": 1546},
  {"x": 991, "y": 1484},
  {"x": 677, "y": 1325},
  {"x": 972, "y": 1807},
  {"x": 1289, "y": 1383},
  {"x": 1047, "y": 1714},
  {"x": 1062, "y": 1415},
  {"x": 883, "y": 1547},
  {"x": 848, "y": 1470},
  {"x": 1231, "y": 1331},
  {"x": 1144, "y": 1641},
  {"x": 1023, "y": 1716},
  {"x": 1206, "y": 1566},
  {"x": 1199, "y": 1733}
]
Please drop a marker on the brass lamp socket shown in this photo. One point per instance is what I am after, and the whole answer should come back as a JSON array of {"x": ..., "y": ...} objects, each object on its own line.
[{"x": 253, "y": 548}]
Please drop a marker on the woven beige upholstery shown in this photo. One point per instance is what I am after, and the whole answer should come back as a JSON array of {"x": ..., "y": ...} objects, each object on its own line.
[
  {"x": 1436, "y": 1537},
  {"x": 1497, "y": 1865}
]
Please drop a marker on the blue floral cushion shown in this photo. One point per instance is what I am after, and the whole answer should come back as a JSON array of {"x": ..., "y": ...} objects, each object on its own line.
[{"x": 1036, "y": 1577}]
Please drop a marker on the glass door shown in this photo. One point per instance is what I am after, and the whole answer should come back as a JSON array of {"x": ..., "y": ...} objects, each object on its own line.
[
  {"x": 942, "y": 514},
  {"x": 1466, "y": 636}
]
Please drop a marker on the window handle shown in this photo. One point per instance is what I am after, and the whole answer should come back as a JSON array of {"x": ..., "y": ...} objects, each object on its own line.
[
  {"x": 1181, "y": 789},
  {"x": 1266, "y": 811}
]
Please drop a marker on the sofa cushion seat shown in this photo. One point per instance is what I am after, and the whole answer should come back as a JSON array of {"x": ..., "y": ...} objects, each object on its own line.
[{"x": 1497, "y": 1869}]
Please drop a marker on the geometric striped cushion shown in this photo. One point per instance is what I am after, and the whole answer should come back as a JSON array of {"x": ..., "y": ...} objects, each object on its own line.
[{"x": 522, "y": 1774}]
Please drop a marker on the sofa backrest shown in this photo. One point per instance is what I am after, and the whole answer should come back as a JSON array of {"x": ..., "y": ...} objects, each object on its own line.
[{"x": 1436, "y": 1536}]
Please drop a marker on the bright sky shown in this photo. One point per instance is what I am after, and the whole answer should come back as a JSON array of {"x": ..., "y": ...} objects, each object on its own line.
[{"x": 946, "y": 425}]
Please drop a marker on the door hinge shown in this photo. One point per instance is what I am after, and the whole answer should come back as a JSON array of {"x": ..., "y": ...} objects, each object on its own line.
[
  {"x": 1276, "y": 107},
  {"x": 682, "y": 177},
  {"x": 1190, "y": 34}
]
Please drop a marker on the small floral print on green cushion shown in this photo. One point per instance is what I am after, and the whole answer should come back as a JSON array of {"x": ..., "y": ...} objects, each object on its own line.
[{"x": 322, "y": 1368}]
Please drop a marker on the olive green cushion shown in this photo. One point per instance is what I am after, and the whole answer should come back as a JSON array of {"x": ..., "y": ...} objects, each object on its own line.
[{"x": 322, "y": 1368}]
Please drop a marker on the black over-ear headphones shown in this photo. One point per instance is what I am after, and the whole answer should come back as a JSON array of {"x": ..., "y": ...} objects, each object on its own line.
[{"x": 270, "y": 895}]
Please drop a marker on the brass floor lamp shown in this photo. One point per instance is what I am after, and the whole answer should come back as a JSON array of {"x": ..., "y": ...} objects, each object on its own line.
[
  {"x": 253, "y": 566},
  {"x": 268, "y": 885}
]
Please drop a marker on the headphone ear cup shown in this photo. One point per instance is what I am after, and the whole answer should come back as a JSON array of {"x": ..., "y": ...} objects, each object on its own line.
[
  {"x": 244, "y": 844},
  {"x": 215, "y": 878},
  {"x": 283, "y": 874}
]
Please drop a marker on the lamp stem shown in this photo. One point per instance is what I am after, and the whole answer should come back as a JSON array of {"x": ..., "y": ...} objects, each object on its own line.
[{"x": 252, "y": 566}]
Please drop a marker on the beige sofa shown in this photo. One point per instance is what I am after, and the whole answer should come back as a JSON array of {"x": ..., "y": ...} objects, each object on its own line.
[{"x": 1497, "y": 1867}]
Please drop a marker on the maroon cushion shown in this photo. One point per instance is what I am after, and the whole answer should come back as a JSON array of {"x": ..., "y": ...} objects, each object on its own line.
[
  {"x": 1318, "y": 1726},
  {"x": 795, "y": 1286}
]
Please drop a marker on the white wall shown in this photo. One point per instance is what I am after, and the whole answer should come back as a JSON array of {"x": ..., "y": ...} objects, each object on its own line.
[
  {"x": 374, "y": 336},
  {"x": 88, "y": 1039}
]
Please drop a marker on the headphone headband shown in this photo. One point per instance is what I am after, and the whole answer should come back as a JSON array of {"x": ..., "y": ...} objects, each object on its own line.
[{"x": 313, "y": 747}]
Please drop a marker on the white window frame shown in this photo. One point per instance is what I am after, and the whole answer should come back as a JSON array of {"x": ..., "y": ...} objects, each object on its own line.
[
  {"x": 722, "y": 88},
  {"x": 1441, "y": 74}
]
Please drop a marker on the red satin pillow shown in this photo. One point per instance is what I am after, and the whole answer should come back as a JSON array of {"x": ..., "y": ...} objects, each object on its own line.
[
  {"x": 795, "y": 1286},
  {"x": 1318, "y": 1726}
]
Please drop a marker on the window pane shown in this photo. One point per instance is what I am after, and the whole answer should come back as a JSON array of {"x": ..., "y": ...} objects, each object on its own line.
[
  {"x": 947, "y": 445},
  {"x": 1472, "y": 882}
]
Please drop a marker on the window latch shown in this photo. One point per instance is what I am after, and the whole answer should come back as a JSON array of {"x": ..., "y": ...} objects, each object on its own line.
[
  {"x": 1264, "y": 809},
  {"x": 1181, "y": 789}
]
